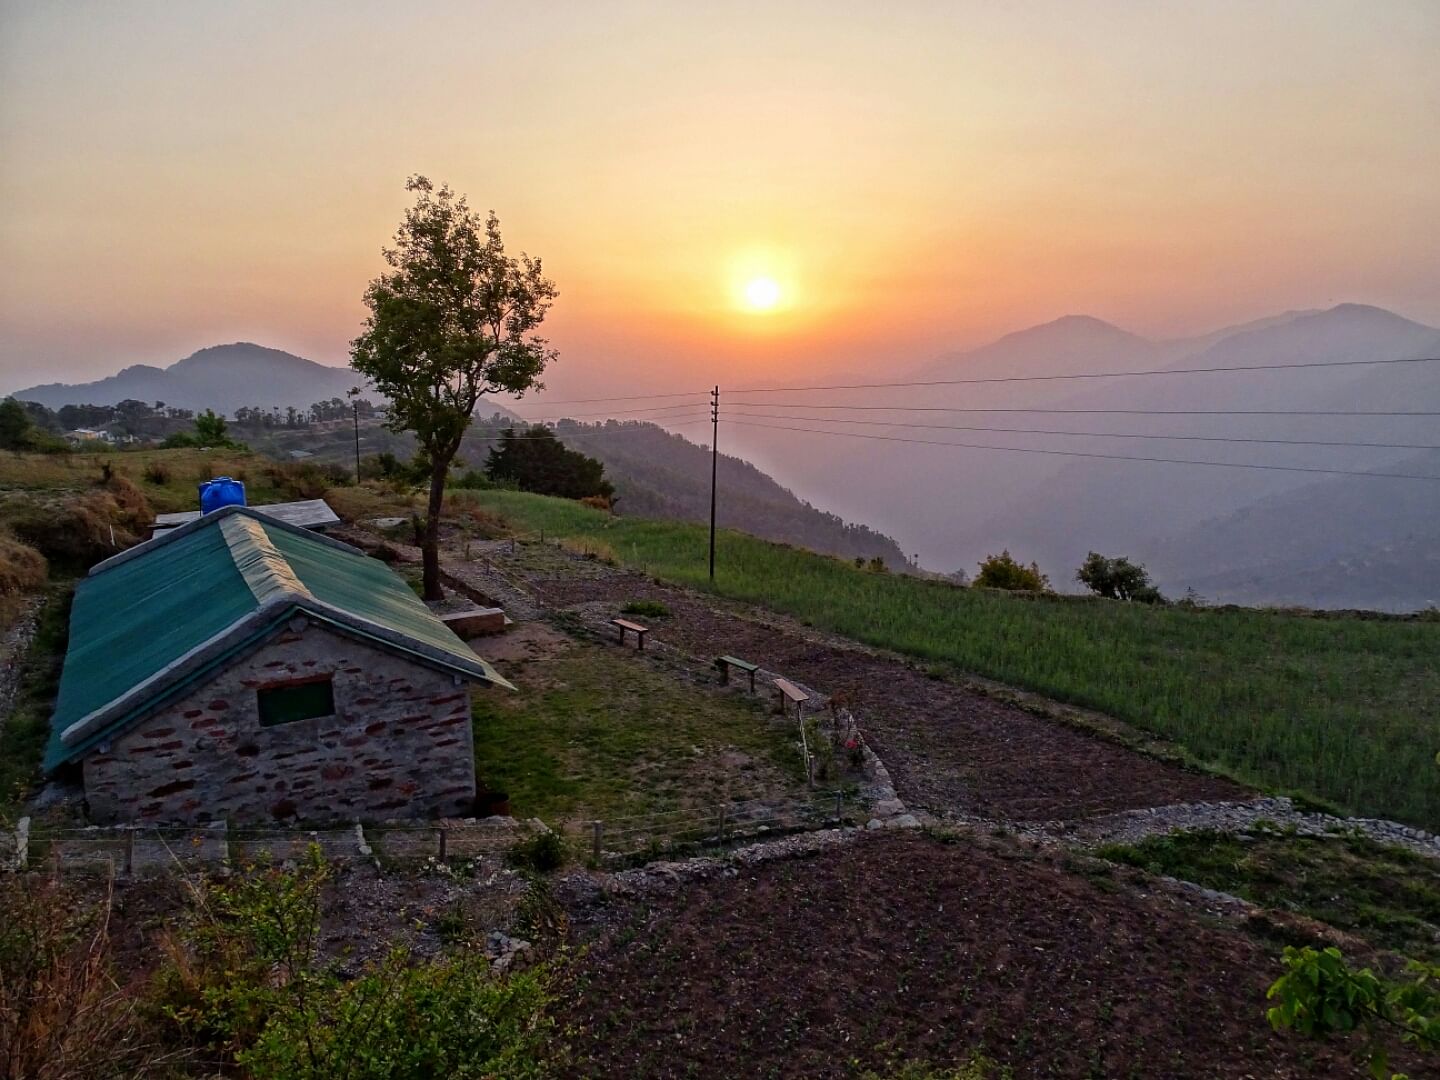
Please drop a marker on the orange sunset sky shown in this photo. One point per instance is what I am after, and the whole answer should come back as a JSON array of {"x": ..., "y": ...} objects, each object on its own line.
[{"x": 907, "y": 178}]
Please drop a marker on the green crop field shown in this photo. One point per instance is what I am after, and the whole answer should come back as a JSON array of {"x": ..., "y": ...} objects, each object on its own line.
[{"x": 1346, "y": 710}]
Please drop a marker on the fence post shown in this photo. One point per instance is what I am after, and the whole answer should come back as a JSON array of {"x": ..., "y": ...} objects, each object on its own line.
[
  {"x": 129, "y": 851},
  {"x": 22, "y": 843},
  {"x": 597, "y": 829},
  {"x": 443, "y": 846},
  {"x": 839, "y": 799}
]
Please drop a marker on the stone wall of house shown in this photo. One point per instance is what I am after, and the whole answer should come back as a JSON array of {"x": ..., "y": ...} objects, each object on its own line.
[{"x": 399, "y": 744}]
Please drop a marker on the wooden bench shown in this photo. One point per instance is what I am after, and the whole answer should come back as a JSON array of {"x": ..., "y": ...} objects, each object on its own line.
[
  {"x": 725, "y": 663},
  {"x": 626, "y": 624},
  {"x": 792, "y": 693}
]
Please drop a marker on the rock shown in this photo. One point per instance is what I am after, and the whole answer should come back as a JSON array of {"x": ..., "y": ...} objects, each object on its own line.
[{"x": 874, "y": 823}]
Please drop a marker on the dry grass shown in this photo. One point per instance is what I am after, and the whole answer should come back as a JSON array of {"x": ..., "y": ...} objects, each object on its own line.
[
  {"x": 22, "y": 568},
  {"x": 63, "y": 1015}
]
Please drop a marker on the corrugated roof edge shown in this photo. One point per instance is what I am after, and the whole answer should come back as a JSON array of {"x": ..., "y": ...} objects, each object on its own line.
[{"x": 181, "y": 531}]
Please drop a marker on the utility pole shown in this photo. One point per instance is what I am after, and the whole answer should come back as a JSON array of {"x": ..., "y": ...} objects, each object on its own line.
[
  {"x": 714, "y": 461},
  {"x": 355, "y": 408}
]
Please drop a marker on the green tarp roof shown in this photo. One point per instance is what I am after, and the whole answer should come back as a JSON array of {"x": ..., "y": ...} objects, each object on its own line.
[{"x": 151, "y": 621}]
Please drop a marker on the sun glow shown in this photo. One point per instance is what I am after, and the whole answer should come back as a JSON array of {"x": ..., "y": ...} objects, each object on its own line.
[{"x": 762, "y": 293}]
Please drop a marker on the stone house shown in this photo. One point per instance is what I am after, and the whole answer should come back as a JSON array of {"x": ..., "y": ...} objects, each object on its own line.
[{"x": 239, "y": 667}]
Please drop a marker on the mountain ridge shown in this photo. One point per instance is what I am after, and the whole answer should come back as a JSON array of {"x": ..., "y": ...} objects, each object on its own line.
[{"x": 220, "y": 377}]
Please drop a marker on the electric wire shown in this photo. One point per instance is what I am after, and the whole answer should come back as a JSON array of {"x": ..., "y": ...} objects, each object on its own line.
[
  {"x": 1095, "y": 375},
  {"x": 1089, "y": 454},
  {"x": 1087, "y": 412},
  {"x": 1092, "y": 434}
]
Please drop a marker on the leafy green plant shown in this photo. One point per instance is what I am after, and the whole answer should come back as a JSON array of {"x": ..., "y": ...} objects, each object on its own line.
[
  {"x": 1320, "y": 994},
  {"x": 245, "y": 977},
  {"x": 652, "y": 609},
  {"x": 543, "y": 852},
  {"x": 1004, "y": 572},
  {"x": 399, "y": 1021}
]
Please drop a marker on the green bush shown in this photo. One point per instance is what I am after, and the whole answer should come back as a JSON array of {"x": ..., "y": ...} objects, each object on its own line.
[
  {"x": 543, "y": 852},
  {"x": 652, "y": 609},
  {"x": 1003, "y": 572},
  {"x": 245, "y": 979},
  {"x": 398, "y": 1021},
  {"x": 1117, "y": 579}
]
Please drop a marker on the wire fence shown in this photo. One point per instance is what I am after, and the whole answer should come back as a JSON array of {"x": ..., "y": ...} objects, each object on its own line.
[
  {"x": 140, "y": 849},
  {"x": 718, "y": 825}
]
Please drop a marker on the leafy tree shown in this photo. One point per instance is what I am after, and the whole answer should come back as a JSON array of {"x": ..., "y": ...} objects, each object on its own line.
[
  {"x": 537, "y": 461},
  {"x": 1117, "y": 579},
  {"x": 16, "y": 428},
  {"x": 453, "y": 319},
  {"x": 1003, "y": 572},
  {"x": 86, "y": 416},
  {"x": 210, "y": 429}
]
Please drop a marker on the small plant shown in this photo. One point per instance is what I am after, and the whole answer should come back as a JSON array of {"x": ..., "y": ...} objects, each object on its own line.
[
  {"x": 650, "y": 609},
  {"x": 1320, "y": 994},
  {"x": 157, "y": 472},
  {"x": 543, "y": 852}
]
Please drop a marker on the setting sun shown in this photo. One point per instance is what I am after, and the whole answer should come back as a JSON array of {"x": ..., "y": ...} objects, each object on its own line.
[{"x": 762, "y": 293}]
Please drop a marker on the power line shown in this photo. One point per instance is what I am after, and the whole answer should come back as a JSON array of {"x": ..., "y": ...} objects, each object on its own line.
[
  {"x": 1084, "y": 412},
  {"x": 628, "y": 397},
  {"x": 562, "y": 434},
  {"x": 621, "y": 412},
  {"x": 1087, "y": 454},
  {"x": 1092, "y": 434},
  {"x": 1094, "y": 375}
]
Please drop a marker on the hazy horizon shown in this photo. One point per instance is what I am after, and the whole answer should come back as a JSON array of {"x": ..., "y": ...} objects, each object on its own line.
[{"x": 913, "y": 183}]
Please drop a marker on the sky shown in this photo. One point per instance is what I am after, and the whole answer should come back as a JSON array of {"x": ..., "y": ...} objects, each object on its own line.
[{"x": 723, "y": 192}]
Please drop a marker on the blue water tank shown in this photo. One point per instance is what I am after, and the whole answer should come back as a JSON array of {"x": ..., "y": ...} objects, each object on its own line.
[{"x": 222, "y": 491}]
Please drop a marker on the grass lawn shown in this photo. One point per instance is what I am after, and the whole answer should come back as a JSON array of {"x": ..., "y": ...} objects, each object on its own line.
[
  {"x": 1387, "y": 895},
  {"x": 595, "y": 734},
  {"x": 1346, "y": 710}
]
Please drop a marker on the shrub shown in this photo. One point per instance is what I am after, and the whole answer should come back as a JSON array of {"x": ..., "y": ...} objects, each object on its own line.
[
  {"x": 306, "y": 479},
  {"x": 157, "y": 472},
  {"x": 653, "y": 609},
  {"x": 1003, "y": 572},
  {"x": 1117, "y": 579},
  {"x": 22, "y": 568},
  {"x": 63, "y": 1016},
  {"x": 78, "y": 531},
  {"x": 543, "y": 852},
  {"x": 598, "y": 502},
  {"x": 244, "y": 977}
]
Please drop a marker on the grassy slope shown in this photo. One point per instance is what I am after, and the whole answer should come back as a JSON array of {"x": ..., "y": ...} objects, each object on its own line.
[
  {"x": 589, "y": 737},
  {"x": 1387, "y": 895},
  {"x": 57, "y": 474},
  {"x": 1344, "y": 709}
]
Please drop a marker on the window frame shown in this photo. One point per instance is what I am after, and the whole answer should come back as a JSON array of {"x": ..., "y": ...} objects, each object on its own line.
[{"x": 301, "y": 684}]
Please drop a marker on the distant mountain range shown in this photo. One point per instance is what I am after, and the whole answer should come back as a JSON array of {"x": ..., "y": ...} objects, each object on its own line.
[
  {"x": 222, "y": 377},
  {"x": 1235, "y": 534}
]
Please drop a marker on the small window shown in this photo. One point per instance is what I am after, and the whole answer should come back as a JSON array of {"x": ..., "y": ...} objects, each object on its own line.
[{"x": 289, "y": 702}]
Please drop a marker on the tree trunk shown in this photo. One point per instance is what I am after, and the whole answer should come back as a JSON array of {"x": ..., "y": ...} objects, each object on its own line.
[{"x": 430, "y": 545}]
